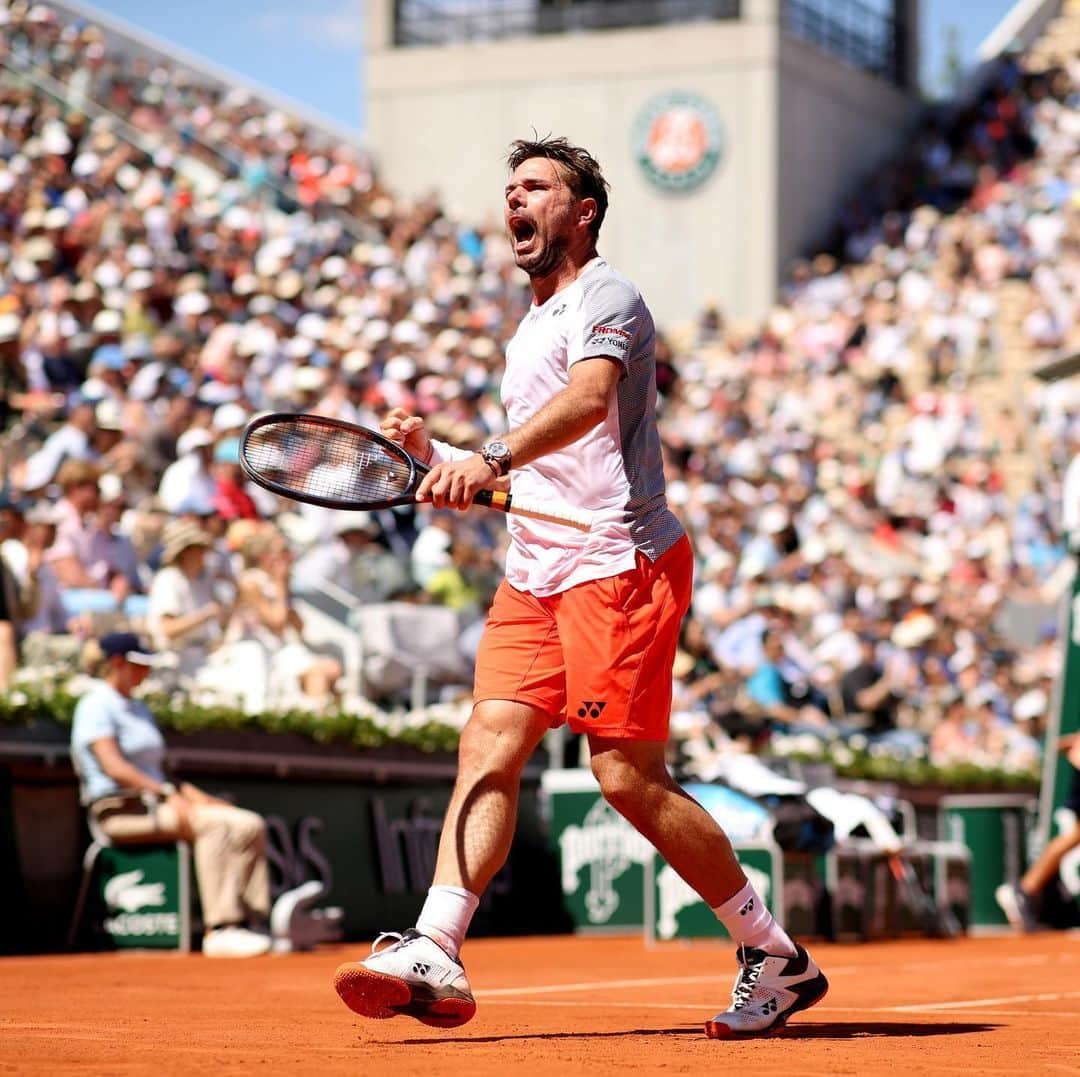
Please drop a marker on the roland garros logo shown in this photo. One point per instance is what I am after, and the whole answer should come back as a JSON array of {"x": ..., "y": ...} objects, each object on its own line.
[{"x": 678, "y": 141}]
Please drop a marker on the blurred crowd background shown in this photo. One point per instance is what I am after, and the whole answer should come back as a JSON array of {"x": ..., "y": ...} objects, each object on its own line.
[{"x": 879, "y": 522}]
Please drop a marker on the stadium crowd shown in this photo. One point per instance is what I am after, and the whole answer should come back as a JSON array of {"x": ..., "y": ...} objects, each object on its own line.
[{"x": 177, "y": 258}]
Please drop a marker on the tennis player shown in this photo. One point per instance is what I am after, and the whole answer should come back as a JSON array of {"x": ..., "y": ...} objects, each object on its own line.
[
  {"x": 1022, "y": 902},
  {"x": 583, "y": 630}
]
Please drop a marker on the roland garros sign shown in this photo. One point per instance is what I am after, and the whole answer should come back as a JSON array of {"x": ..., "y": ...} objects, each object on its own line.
[{"x": 678, "y": 141}]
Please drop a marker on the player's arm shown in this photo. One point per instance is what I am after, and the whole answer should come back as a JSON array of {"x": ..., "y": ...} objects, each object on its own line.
[
  {"x": 570, "y": 413},
  {"x": 567, "y": 416}
]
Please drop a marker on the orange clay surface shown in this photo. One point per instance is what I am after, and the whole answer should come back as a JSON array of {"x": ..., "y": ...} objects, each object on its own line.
[{"x": 558, "y": 1006}]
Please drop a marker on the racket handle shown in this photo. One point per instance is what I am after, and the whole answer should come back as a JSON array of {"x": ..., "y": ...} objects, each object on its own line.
[{"x": 495, "y": 499}]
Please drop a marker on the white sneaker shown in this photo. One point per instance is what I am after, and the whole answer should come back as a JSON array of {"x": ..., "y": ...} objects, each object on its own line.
[
  {"x": 413, "y": 977},
  {"x": 768, "y": 990},
  {"x": 235, "y": 942}
]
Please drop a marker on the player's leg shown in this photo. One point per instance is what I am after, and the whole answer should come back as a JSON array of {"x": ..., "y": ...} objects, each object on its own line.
[
  {"x": 519, "y": 685},
  {"x": 420, "y": 974},
  {"x": 777, "y": 978},
  {"x": 620, "y": 636},
  {"x": 1021, "y": 902}
]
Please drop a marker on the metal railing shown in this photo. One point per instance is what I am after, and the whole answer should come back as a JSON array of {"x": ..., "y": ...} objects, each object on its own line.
[
  {"x": 854, "y": 31},
  {"x": 444, "y": 22}
]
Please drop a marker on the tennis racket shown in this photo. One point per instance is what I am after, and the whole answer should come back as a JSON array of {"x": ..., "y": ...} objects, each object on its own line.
[
  {"x": 936, "y": 920},
  {"x": 329, "y": 462}
]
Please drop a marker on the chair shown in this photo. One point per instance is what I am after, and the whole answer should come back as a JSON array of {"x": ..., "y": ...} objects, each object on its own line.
[
  {"x": 130, "y": 893},
  {"x": 78, "y": 600},
  {"x": 404, "y": 647}
]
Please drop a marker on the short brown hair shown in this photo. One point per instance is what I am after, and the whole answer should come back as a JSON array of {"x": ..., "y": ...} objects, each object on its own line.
[
  {"x": 580, "y": 169},
  {"x": 75, "y": 472}
]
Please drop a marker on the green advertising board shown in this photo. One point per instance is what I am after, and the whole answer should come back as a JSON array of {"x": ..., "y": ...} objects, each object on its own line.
[
  {"x": 602, "y": 862},
  {"x": 673, "y": 909},
  {"x": 995, "y": 830},
  {"x": 145, "y": 894}
]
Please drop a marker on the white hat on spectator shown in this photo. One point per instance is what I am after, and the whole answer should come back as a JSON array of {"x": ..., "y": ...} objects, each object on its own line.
[
  {"x": 10, "y": 326},
  {"x": 407, "y": 332},
  {"x": 190, "y": 282},
  {"x": 1032, "y": 704},
  {"x": 108, "y": 415},
  {"x": 376, "y": 331},
  {"x": 229, "y": 416},
  {"x": 191, "y": 304},
  {"x": 914, "y": 630},
  {"x": 179, "y": 535},
  {"x": 139, "y": 280},
  {"x": 299, "y": 347},
  {"x": 262, "y": 304},
  {"x": 448, "y": 340},
  {"x": 482, "y": 348},
  {"x": 289, "y": 285},
  {"x": 139, "y": 256},
  {"x": 308, "y": 379},
  {"x": 312, "y": 326},
  {"x": 111, "y": 487},
  {"x": 356, "y": 360},
  {"x": 344, "y": 522},
  {"x": 107, "y": 321},
  {"x": 773, "y": 519},
  {"x": 193, "y": 439},
  {"x": 400, "y": 368},
  {"x": 245, "y": 284},
  {"x": 86, "y": 164},
  {"x": 333, "y": 268},
  {"x": 38, "y": 249},
  {"x": 57, "y": 217}
]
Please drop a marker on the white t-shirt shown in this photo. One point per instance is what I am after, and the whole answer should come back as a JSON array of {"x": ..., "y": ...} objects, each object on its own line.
[{"x": 615, "y": 470}]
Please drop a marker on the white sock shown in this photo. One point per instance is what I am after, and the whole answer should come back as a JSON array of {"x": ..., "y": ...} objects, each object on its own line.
[
  {"x": 446, "y": 916},
  {"x": 749, "y": 923}
]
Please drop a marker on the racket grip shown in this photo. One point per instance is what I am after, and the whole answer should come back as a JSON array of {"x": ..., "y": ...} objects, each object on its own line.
[{"x": 496, "y": 499}]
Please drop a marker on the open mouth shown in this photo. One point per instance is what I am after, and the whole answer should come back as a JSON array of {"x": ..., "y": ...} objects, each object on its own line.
[{"x": 522, "y": 231}]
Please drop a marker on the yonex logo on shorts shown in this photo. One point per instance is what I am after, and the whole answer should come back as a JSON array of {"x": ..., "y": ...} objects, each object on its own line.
[{"x": 591, "y": 709}]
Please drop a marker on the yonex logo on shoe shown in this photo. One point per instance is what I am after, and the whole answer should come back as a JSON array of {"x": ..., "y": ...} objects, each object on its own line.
[
  {"x": 748, "y": 907},
  {"x": 769, "y": 1007},
  {"x": 420, "y": 969},
  {"x": 591, "y": 709}
]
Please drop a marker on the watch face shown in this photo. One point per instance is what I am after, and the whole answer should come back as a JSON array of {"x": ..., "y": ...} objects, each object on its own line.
[{"x": 498, "y": 448}]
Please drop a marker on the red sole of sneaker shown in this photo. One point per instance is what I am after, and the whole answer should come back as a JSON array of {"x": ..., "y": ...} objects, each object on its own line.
[
  {"x": 376, "y": 995},
  {"x": 716, "y": 1030},
  {"x": 447, "y": 1013},
  {"x": 370, "y": 994}
]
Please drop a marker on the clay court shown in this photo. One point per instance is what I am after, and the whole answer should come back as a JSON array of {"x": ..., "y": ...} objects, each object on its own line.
[{"x": 567, "y": 1005}]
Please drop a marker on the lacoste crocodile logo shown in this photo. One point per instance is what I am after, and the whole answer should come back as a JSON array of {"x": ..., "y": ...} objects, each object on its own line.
[{"x": 127, "y": 891}]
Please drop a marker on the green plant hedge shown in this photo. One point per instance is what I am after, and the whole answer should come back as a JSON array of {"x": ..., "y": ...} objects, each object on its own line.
[
  {"x": 362, "y": 731},
  {"x": 29, "y": 704}
]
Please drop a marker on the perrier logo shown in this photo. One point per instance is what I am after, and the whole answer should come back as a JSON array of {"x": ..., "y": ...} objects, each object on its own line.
[
  {"x": 607, "y": 845},
  {"x": 678, "y": 140}
]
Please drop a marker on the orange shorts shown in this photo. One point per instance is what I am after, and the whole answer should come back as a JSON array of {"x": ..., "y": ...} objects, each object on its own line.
[{"x": 598, "y": 655}]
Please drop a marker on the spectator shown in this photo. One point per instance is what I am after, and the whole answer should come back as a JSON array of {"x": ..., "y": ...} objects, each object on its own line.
[
  {"x": 230, "y": 500},
  {"x": 119, "y": 756},
  {"x": 264, "y": 614},
  {"x": 357, "y": 560},
  {"x": 81, "y": 555},
  {"x": 18, "y": 593},
  {"x": 188, "y": 481},
  {"x": 185, "y": 618}
]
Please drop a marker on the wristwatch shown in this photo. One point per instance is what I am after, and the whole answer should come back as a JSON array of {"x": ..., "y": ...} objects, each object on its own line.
[{"x": 498, "y": 455}]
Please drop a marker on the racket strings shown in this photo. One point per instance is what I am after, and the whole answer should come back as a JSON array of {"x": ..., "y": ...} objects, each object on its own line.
[{"x": 316, "y": 460}]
